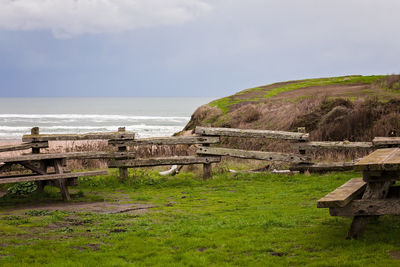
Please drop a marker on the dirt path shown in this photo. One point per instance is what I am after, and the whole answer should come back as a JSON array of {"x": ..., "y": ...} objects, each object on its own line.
[{"x": 95, "y": 207}]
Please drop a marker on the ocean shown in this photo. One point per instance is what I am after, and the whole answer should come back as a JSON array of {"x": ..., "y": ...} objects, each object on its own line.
[{"x": 147, "y": 117}]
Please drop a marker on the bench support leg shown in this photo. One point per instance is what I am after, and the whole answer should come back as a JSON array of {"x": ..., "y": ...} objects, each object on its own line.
[
  {"x": 376, "y": 190},
  {"x": 61, "y": 182}
]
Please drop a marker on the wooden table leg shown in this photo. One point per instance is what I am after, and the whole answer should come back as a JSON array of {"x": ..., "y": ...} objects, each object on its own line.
[
  {"x": 375, "y": 190},
  {"x": 43, "y": 168},
  {"x": 61, "y": 182}
]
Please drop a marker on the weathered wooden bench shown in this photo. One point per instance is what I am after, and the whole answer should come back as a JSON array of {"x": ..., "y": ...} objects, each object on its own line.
[
  {"x": 39, "y": 163},
  {"x": 374, "y": 195}
]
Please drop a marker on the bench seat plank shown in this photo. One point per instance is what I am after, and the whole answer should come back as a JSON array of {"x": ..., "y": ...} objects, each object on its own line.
[
  {"x": 51, "y": 176},
  {"x": 343, "y": 195}
]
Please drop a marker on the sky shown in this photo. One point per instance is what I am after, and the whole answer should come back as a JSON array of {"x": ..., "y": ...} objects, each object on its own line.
[{"x": 101, "y": 48}]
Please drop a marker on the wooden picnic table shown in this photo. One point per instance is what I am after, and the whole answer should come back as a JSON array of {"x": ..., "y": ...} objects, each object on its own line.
[
  {"x": 39, "y": 165},
  {"x": 373, "y": 195}
]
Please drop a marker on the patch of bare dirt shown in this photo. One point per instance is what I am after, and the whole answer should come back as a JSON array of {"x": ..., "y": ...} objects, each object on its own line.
[
  {"x": 333, "y": 90},
  {"x": 96, "y": 207},
  {"x": 395, "y": 254}
]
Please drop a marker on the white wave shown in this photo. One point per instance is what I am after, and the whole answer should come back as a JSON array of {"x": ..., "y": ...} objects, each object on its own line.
[{"x": 91, "y": 116}]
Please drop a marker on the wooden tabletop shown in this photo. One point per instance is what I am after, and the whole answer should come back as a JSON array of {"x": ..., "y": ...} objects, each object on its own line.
[{"x": 386, "y": 159}]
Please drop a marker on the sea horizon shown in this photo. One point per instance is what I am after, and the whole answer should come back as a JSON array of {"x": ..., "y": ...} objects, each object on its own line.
[{"x": 146, "y": 116}]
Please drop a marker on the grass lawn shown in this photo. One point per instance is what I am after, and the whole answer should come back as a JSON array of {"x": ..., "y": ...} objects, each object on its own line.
[{"x": 232, "y": 219}]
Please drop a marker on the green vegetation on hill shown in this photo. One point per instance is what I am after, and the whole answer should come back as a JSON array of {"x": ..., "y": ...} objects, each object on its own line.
[
  {"x": 233, "y": 219},
  {"x": 225, "y": 103}
]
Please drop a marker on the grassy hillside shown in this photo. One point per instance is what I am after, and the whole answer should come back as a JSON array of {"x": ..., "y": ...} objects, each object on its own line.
[{"x": 338, "y": 108}]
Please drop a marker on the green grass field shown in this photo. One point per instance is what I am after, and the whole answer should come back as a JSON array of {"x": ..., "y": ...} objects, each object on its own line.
[{"x": 232, "y": 219}]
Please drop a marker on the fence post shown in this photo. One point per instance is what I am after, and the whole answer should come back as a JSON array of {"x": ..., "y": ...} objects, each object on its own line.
[
  {"x": 43, "y": 165},
  {"x": 302, "y": 130},
  {"x": 123, "y": 171},
  {"x": 35, "y": 131},
  {"x": 207, "y": 170}
]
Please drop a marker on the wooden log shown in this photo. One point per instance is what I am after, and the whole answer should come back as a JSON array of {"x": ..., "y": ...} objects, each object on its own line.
[
  {"x": 344, "y": 194},
  {"x": 184, "y": 160},
  {"x": 386, "y": 142},
  {"x": 231, "y": 132},
  {"x": 175, "y": 169},
  {"x": 245, "y": 154},
  {"x": 51, "y": 177},
  {"x": 76, "y": 137},
  {"x": 70, "y": 155},
  {"x": 333, "y": 145},
  {"x": 323, "y": 167},
  {"x": 368, "y": 207},
  {"x": 173, "y": 140},
  {"x": 23, "y": 146}
]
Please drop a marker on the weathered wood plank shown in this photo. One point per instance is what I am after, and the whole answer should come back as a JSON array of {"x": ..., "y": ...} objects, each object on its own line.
[
  {"x": 231, "y": 132},
  {"x": 386, "y": 141},
  {"x": 184, "y": 160},
  {"x": 333, "y": 145},
  {"x": 385, "y": 159},
  {"x": 173, "y": 140},
  {"x": 23, "y": 146},
  {"x": 75, "y": 137},
  {"x": 245, "y": 154},
  {"x": 365, "y": 207},
  {"x": 323, "y": 167},
  {"x": 343, "y": 195},
  {"x": 70, "y": 155},
  {"x": 61, "y": 182},
  {"x": 51, "y": 176}
]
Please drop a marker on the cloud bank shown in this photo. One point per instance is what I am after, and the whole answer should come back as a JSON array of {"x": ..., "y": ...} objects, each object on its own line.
[{"x": 68, "y": 18}]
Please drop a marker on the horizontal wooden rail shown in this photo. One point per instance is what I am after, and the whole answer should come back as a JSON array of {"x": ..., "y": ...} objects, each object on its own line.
[
  {"x": 70, "y": 155},
  {"x": 245, "y": 154},
  {"x": 23, "y": 146},
  {"x": 173, "y": 140},
  {"x": 51, "y": 176},
  {"x": 323, "y": 167},
  {"x": 333, "y": 145},
  {"x": 231, "y": 132},
  {"x": 77, "y": 137},
  {"x": 386, "y": 141},
  {"x": 184, "y": 160}
]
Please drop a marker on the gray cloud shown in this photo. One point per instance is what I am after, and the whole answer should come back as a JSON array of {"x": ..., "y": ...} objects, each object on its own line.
[{"x": 67, "y": 18}]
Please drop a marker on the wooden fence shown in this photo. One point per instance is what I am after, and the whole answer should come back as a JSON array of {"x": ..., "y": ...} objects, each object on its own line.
[{"x": 208, "y": 152}]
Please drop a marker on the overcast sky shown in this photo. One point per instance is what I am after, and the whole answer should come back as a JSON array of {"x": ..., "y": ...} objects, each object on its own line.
[{"x": 189, "y": 47}]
